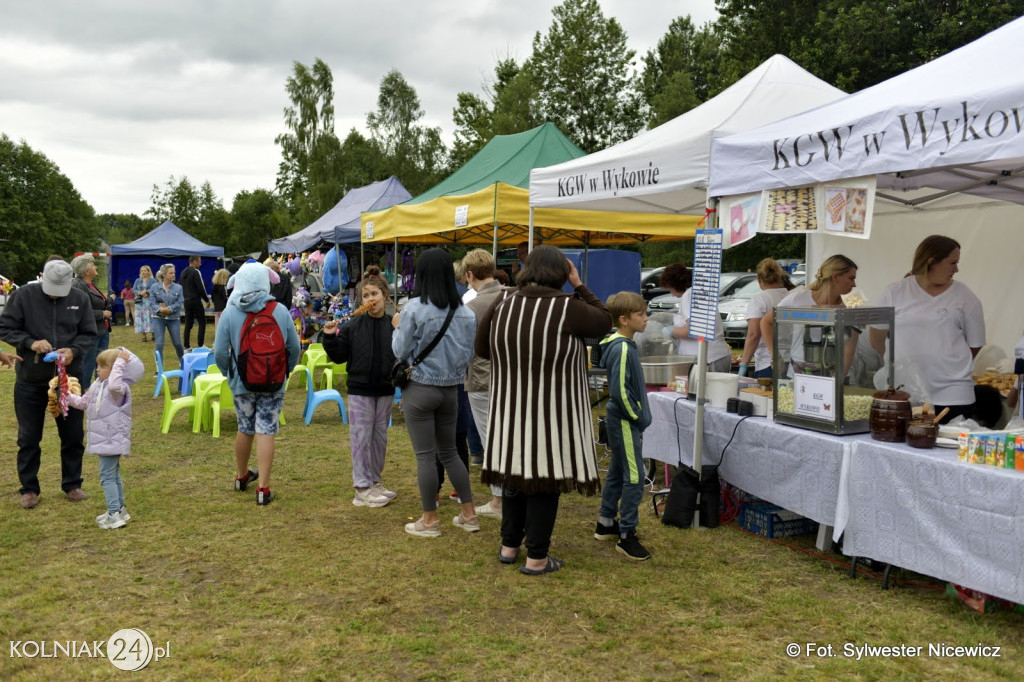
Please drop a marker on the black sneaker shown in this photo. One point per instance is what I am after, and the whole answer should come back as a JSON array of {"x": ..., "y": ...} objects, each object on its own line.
[
  {"x": 631, "y": 547},
  {"x": 607, "y": 532},
  {"x": 264, "y": 497},
  {"x": 242, "y": 483}
]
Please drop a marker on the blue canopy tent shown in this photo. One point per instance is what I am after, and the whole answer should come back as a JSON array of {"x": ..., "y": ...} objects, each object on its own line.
[
  {"x": 165, "y": 244},
  {"x": 340, "y": 225}
]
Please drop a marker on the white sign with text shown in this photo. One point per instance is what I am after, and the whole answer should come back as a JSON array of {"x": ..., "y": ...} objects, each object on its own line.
[{"x": 814, "y": 396}]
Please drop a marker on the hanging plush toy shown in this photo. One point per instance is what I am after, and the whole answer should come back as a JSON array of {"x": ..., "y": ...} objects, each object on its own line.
[{"x": 60, "y": 386}]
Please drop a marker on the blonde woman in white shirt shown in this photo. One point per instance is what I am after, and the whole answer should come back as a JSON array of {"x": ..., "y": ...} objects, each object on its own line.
[
  {"x": 834, "y": 279},
  {"x": 940, "y": 327}
]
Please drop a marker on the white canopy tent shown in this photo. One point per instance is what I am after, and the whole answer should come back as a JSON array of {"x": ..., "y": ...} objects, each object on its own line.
[
  {"x": 946, "y": 144},
  {"x": 665, "y": 169}
]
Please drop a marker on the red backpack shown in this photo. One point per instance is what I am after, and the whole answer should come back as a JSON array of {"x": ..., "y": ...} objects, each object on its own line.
[{"x": 262, "y": 360}]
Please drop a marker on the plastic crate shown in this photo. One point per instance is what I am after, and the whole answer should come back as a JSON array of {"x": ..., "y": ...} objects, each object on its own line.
[{"x": 772, "y": 521}]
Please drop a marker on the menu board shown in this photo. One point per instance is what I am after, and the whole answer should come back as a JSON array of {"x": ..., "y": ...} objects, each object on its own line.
[{"x": 707, "y": 267}]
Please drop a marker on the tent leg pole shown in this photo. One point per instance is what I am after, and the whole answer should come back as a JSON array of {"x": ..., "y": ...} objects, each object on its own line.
[
  {"x": 698, "y": 424},
  {"x": 337, "y": 249},
  {"x": 529, "y": 239}
]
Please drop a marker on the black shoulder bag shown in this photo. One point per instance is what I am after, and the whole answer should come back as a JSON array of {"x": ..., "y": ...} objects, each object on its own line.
[{"x": 401, "y": 371}]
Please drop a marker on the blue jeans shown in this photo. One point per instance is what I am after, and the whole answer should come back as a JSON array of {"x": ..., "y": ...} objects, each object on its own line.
[
  {"x": 110, "y": 481},
  {"x": 624, "y": 486},
  {"x": 765, "y": 373},
  {"x": 173, "y": 327},
  {"x": 89, "y": 361}
]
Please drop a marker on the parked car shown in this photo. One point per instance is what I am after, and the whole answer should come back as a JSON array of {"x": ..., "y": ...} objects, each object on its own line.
[
  {"x": 665, "y": 303},
  {"x": 733, "y": 309},
  {"x": 649, "y": 286},
  {"x": 728, "y": 284}
]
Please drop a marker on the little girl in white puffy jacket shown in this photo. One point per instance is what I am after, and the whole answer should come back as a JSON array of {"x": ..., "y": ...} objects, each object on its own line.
[{"x": 108, "y": 407}]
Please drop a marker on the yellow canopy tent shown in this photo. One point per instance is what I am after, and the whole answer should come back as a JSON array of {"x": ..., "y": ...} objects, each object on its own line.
[{"x": 500, "y": 213}]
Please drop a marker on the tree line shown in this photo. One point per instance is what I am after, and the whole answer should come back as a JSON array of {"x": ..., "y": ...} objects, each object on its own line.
[{"x": 581, "y": 75}]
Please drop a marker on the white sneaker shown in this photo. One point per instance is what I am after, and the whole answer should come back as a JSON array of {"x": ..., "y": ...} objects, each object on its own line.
[
  {"x": 122, "y": 514},
  {"x": 488, "y": 511},
  {"x": 370, "y": 498},
  {"x": 471, "y": 525},
  {"x": 423, "y": 529},
  {"x": 110, "y": 522},
  {"x": 381, "y": 490}
]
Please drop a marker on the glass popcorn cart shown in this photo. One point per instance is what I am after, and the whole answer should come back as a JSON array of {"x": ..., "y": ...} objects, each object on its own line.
[{"x": 824, "y": 366}]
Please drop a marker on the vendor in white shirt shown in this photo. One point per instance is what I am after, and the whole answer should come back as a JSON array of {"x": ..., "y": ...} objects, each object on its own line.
[
  {"x": 834, "y": 279},
  {"x": 772, "y": 281},
  {"x": 940, "y": 327},
  {"x": 677, "y": 279}
]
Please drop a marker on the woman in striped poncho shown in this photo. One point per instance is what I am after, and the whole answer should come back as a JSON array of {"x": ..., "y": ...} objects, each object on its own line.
[{"x": 540, "y": 428}]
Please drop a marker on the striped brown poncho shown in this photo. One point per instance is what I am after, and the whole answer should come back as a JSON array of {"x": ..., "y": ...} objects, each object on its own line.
[{"x": 540, "y": 430}]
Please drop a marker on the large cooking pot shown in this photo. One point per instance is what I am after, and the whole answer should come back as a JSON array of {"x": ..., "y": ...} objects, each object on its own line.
[
  {"x": 662, "y": 370},
  {"x": 890, "y": 414}
]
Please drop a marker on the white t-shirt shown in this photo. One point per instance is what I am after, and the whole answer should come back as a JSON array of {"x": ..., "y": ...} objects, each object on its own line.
[
  {"x": 934, "y": 337},
  {"x": 801, "y": 297},
  {"x": 760, "y": 305},
  {"x": 469, "y": 295},
  {"x": 717, "y": 348}
]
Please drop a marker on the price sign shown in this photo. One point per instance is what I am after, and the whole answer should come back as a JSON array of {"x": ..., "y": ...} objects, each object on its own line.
[
  {"x": 461, "y": 215},
  {"x": 707, "y": 267},
  {"x": 813, "y": 396}
]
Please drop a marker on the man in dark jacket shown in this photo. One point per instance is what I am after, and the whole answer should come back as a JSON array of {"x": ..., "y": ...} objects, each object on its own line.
[
  {"x": 41, "y": 317},
  {"x": 196, "y": 300}
]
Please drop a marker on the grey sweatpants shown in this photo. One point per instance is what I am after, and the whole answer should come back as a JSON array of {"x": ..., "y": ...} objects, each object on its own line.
[{"x": 430, "y": 416}]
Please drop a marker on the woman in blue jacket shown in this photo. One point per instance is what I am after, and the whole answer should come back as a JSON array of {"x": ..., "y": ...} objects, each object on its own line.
[{"x": 165, "y": 301}]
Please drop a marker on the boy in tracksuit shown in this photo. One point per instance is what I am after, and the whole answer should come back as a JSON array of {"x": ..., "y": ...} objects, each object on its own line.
[{"x": 628, "y": 416}]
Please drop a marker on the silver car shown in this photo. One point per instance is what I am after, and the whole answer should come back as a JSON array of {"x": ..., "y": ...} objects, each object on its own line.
[
  {"x": 728, "y": 283},
  {"x": 733, "y": 308}
]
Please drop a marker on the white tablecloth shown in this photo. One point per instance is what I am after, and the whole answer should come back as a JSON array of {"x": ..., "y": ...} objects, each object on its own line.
[
  {"x": 919, "y": 509},
  {"x": 794, "y": 468},
  {"x": 927, "y": 511}
]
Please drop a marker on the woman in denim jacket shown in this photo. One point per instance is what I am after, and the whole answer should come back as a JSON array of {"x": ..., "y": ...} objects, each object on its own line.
[
  {"x": 430, "y": 400},
  {"x": 165, "y": 301}
]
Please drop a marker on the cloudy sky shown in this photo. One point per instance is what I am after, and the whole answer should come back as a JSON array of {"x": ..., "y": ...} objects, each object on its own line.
[{"x": 122, "y": 94}]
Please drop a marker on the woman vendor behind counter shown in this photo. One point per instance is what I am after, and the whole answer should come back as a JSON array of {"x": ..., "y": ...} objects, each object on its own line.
[
  {"x": 940, "y": 327},
  {"x": 834, "y": 279},
  {"x": 773, "y": 283}
]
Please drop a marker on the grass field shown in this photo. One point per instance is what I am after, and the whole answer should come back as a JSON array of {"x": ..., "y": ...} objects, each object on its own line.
[{"x": 312, "y": 587}]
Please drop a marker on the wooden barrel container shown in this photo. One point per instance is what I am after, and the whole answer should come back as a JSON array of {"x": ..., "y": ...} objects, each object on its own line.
[{"x": 890, "y": 414}]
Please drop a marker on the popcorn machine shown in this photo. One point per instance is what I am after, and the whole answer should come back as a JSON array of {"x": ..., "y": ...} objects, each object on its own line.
[{"x": 824, "y": 366}]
